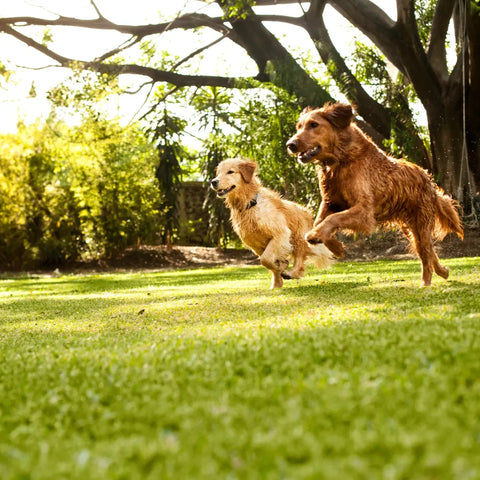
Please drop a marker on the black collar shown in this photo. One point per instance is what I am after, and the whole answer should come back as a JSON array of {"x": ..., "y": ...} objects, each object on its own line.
[{"x": 252, "y": 202}]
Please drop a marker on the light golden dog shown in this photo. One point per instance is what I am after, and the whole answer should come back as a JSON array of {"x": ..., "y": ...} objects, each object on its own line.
[
  {"x": 361, "y": 186},
  {"x": 273, "y": 228}
]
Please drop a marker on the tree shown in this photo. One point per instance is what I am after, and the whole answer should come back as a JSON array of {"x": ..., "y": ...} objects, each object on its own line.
[{"x": 415, "y": 43}]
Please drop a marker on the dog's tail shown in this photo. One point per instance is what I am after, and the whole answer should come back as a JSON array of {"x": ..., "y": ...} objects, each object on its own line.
[
  {"x": 447, "y": 217},
  {"x": 320, "y": 256}
]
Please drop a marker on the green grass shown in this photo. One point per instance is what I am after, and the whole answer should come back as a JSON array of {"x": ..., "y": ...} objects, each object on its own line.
[{"x": 351, "y": 373}]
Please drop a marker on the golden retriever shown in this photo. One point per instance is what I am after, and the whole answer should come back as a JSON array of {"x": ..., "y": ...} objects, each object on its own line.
[
  {"x": 362, "y": 186},
  {"x": 272, "y": 227}
]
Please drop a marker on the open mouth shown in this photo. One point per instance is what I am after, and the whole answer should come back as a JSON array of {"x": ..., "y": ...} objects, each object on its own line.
[
  {"x": 222, "y": 193},
  {"x": 309, "y": 155}
]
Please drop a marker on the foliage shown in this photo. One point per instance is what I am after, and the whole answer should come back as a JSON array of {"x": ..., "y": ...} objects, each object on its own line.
[
  {"x": 84, "y": 92},
  {"x": 213, "y": 106},
  {"x": 205, "y": 374},
  {"x": 237, "y": 8},
  {"x": 67, "y": 192},
  {"x": 166, "y": 136},
  {"x": 266, "y": 120},
  {"x": 405, "y": 40},
  {"x": 5, "y": 74},
  {"x": 425, "y": 9},
  {"x": 391, "y": 90}
]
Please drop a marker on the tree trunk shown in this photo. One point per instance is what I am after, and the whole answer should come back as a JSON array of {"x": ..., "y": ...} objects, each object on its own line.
[
  {"x": 472, "y": 115},
  {"x": 446, "y": 141},
  {"x": 453, "y": 118}
]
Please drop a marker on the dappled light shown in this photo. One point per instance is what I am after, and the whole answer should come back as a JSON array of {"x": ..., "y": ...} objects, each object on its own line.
[
  {"x": 139, "y": 340},
  {"x": 150, "y": 372}
]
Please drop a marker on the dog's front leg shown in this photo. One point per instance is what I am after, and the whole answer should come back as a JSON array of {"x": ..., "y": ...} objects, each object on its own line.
[
  {"x": 315, "y": 236},
  {"x": 323, "y": 212},
  {"x": 359, "y": 219},
  {"x": 276, "y": 266}
]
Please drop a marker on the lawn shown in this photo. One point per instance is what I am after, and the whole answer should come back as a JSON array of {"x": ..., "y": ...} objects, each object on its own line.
[{"x": 352, "y": 373}]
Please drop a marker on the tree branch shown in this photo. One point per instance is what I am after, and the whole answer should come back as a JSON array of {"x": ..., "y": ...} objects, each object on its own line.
[
  {"x": 374, "y": 113},
  {"x": 177, "y": 79},
  {"x": 373, "y": 22},
  {"x": 187, "y": 21},
  {"x": 94, "y": 5},
  {"x": 297, "y": 21},
  {"x": 436, "y": 51},
  {"x": 399, "y": 41},
  {"x": 274, "y": 62},
  {"x": 153, "y": 73},
  {"x": 198, "y": 51},
  {"x": 37, "y": 46},
  {"x": 126, "y": 45},
  {"x": 275, "y": 2}
]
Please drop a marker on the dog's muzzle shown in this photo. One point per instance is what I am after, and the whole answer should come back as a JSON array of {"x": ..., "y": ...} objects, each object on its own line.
[
  {"x": 220, "y": 193},
  {"x": 292, "y": 146},
  {"x": 303, "y": 157},
  {"x": 309, "y": 155}
]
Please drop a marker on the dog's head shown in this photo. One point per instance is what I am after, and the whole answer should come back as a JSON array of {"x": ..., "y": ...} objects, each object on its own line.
[
  {"x": 317, "y": 129},
  {"x": 233, "y": 174}
]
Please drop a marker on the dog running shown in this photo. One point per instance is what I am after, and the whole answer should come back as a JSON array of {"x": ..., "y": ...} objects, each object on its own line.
[
  {"x": 272, "y": 227},
  {"x": 361, "y": 186}
]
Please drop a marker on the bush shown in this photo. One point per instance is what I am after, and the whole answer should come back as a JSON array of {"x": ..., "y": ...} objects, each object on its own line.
[{"x": 71, "y": 192}]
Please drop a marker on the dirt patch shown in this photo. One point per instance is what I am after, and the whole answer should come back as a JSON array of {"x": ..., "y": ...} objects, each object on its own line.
[
  {"x": 386, "y": 245},
  {"x": 154, "y": 257},
  {"x": 393, "y": 245}
]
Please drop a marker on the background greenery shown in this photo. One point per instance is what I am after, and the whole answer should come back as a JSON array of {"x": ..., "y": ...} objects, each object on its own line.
[
  {"x": 89, "y": 186},
  {"x": 92, "y": 189},
  {"x": 354, "y": 372},
  {"x": 72, "y": 191}
]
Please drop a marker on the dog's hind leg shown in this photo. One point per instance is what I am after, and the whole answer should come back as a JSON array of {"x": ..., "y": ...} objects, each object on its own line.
[
  {"x": 277, "y": 280},
  {"x": 298, "y": 268},
  {"x": 421, "y": 239},
  {"x": 275, "y": 258},
  {"x": 276, "y": 268},
  {"x": 300, "y": 253}
]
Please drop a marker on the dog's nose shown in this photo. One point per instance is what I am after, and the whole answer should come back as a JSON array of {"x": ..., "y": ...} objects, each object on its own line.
[
  {"x": 214, "y": 183},
  {"x": 292, "y": 146}
]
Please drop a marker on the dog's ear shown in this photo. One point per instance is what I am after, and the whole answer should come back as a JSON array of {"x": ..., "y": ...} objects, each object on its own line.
[
  {"x": 247, "y": 170},
  {"x": 306, "y": 110},
  {"x": 340, "y": 115}
]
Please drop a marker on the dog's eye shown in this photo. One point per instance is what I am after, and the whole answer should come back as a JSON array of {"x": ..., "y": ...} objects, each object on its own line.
[
  {"x": 313, "y": 124},
  {"x": 230, "y": 172}
]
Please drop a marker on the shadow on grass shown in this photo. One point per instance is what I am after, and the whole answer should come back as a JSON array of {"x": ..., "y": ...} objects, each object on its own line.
[
  {"x": 200, "y": 305},
  {"x": 128, "y": 281},
  {"x": 350, "y": 271},
  {"x": 149, "y": 304}
]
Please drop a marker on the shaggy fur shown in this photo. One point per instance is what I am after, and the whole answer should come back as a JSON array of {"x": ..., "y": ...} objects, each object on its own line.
[
  {"x": 362, "y": 186},
  {"x": 273, "y": 228}
]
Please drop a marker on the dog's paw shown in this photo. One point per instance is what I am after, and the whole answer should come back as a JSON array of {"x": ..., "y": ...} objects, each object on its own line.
[
  {"x": 312, "y": 239},
  {"x": 286, "y": 276}
]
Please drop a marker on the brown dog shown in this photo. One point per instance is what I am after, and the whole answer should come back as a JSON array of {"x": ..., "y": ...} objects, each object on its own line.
[
  {"x": 362, "y": 186},
  {"x": 273, "y": 228}
]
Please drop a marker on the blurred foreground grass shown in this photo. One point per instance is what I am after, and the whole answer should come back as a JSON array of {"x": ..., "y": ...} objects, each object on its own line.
[{"x": 351, "y": 373}]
